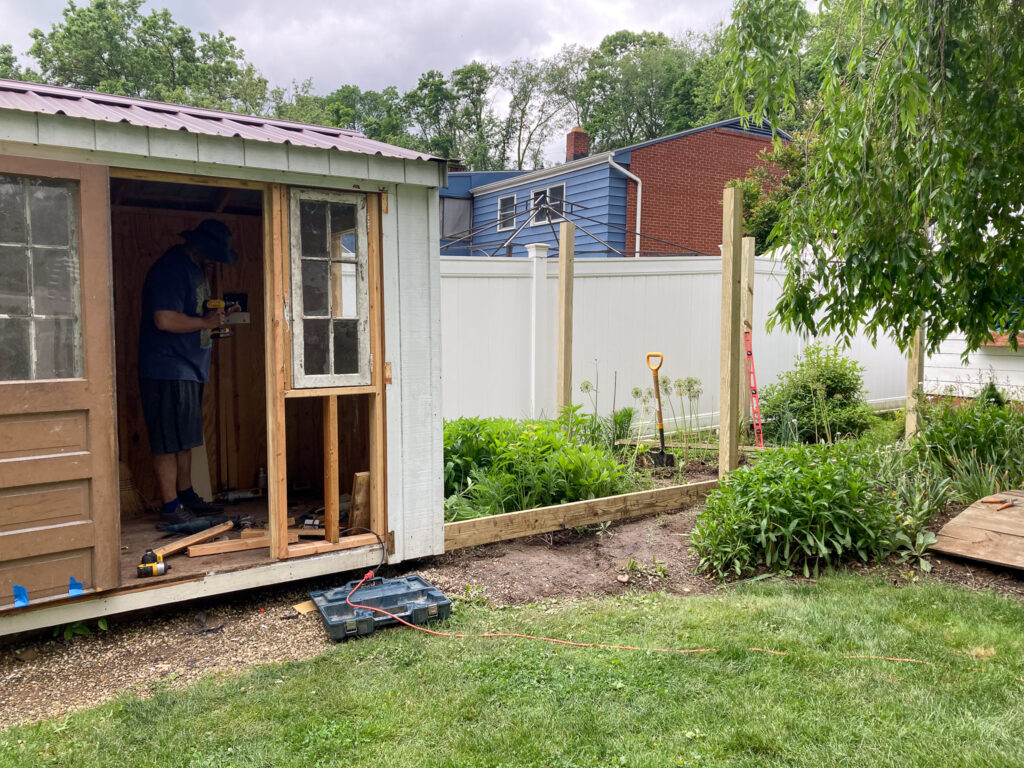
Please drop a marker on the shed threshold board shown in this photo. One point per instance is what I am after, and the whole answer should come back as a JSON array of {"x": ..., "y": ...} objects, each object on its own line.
[
  {"x": 138, "y": 595},
  {"x": 982, "y": 532}
]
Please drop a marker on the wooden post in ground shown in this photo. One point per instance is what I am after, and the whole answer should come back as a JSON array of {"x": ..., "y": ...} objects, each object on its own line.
[
  {"x": 566, "y": 271},
  {"x": 538, "y": 254},
  {"x": 915, "y": 377},
  {"x": 729, "y": 389},
  {"x": 746, "y": 316}
]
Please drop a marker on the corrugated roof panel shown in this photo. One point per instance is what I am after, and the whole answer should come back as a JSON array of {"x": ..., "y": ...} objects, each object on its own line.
[{"x": 51, "y": 100}]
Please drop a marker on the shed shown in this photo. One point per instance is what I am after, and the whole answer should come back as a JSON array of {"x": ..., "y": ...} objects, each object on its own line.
[{"x": 336, "y": 374}]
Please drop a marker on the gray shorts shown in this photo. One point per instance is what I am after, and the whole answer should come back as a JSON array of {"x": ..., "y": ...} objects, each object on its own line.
[{"x": 174, "y": 414}]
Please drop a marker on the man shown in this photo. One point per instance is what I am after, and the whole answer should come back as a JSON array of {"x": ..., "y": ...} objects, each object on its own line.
[{"x": 174, "y": 362}]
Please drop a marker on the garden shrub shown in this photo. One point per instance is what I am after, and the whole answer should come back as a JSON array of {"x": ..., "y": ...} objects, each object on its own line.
[
  {"x": 977, "y": 444},
  {"x": 501, "y": 465},
  {"x": 820, "y": 399},
  {"x": 806, "y": 507}
]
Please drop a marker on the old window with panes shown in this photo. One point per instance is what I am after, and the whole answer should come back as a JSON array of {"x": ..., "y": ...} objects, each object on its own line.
[
  {"x": 330, "y": 297},
  {"x": 40, "y": 318}
]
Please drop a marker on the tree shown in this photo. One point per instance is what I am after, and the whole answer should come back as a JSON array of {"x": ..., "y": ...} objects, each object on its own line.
[
  {"x": 630, "y": 79},
  {"x": 911, "y": 212},
  {"x": 9, "y": 67},
  {"x": 533, "y": 104},
  {"x": 110, "y": 46}
]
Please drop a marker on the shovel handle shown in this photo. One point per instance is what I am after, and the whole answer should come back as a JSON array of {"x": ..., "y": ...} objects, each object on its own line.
[{"x": 655, "y": 366}]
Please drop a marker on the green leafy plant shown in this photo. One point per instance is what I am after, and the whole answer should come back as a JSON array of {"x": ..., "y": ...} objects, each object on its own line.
[
  {"x": 809, "y": 507},
  {"x": 821, "y": 399},
  {"x": 500, "y": 465}
]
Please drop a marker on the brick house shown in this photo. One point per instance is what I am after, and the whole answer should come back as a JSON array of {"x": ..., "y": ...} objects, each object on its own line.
[{"x": 668, "y": 189}]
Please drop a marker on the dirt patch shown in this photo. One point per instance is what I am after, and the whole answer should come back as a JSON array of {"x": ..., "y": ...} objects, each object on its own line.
[{"x": 173, "y": 647}]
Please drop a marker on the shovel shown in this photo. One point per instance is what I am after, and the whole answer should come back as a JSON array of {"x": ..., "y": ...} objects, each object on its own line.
[{"x": 660, "y": 457}]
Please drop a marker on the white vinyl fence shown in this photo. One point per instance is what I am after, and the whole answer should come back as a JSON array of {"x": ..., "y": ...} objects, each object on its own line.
[{"x": 499, "y": 334}]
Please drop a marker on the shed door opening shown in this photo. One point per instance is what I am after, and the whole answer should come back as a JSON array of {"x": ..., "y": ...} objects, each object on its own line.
[
  {"x": 148, "y": 216},
  {"x": 58, "y": 485}
]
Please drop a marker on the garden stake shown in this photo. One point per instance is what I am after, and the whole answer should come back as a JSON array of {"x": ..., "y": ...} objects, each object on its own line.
[{"x": 660, "y": 458}]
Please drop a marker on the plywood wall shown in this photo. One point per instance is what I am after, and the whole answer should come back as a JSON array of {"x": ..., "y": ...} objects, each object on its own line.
[{"x": 234, "y": 401}]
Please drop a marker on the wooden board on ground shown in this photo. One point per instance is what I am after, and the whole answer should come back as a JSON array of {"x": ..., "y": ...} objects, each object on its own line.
[
  {"x": 196, "y": 538},
  {"x": 512, "y": 525},
  {"x": 987, "y": 534}
]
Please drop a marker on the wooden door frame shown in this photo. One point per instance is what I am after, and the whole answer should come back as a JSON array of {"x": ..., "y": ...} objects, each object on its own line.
[
  {"x": 277, "y": 288},
  {"x": 98, "y": 395}
]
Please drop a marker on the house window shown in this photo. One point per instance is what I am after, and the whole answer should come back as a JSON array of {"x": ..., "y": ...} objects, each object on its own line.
[
  {"x": 506, "y": 213},
  {"x": 456, "y": 218},
  {"x": 330, "y": 289},
  {"x": 548, "y": 205},
  {"x": 40, "y": 316}
]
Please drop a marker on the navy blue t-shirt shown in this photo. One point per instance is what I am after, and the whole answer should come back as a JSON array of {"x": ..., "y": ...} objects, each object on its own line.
[{"x": 178, "y": 284}]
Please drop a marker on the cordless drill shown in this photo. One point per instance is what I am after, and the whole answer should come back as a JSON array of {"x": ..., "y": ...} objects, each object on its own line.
[{"x": 223, "y": 306}]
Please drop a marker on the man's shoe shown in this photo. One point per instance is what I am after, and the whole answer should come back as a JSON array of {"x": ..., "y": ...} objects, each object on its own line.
[
  {"x": 177, "y": 517},
  {"x": 201, "y": 508}
]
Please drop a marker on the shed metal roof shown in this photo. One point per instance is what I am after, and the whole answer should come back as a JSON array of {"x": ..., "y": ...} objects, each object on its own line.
[{"x": 71, "y": 102}]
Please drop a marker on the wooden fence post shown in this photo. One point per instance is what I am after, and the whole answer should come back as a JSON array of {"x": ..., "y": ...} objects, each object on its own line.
[
  {"x": 566, "y": 271},
  {"x": 915, "y": 377},
  {"x": 729, "y": 390},
  {"x": 538, "y": 255},
  {"x": 746, "y": 316}
]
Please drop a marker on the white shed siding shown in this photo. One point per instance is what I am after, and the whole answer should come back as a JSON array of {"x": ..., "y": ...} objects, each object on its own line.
[
  {"x": 412, "y": 345},
  {"x": 946, "y": 372}
]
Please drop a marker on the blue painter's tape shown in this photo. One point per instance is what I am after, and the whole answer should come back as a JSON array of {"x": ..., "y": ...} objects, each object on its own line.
[
  {"x": 20, "y": 596},
  {"x": 74, "y": 588}
]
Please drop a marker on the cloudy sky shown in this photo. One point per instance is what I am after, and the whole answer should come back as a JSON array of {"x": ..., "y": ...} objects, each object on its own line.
[{"x": 375, "y": 43}]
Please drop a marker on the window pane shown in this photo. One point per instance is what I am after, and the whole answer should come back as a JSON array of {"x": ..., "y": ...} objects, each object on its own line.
[
  {"x": 556, "y": 199},
  {"x": 507, "y": 212},
  {"x": 53, "y": 281},
  {"x": 314, "y": 287},
  {"x": 12, "y": 210},
  {"x": 56, "y": 356},
  {"x": 539, "y": 199},
  {"x": 313, "y": 228},
  {"x": 14, "y": 281},
  {"x": 49, "y": 213},
  {"x": 15, "y": 363},
  {"x": 346, "y": 346},
  {"x": 343, "y": 217},
  {"x": 315, "y": 346}
]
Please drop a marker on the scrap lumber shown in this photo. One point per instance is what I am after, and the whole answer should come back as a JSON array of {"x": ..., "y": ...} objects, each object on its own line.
[
  {"x": 305, "y": 548},
  {"x": 196, "y": 538},
  {"x": 987, "y": 532},
  {"x": 359, "y": 513}
]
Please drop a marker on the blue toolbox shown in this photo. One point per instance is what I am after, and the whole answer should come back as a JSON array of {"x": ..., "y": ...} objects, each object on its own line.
[{"x": 412, "y": 598}]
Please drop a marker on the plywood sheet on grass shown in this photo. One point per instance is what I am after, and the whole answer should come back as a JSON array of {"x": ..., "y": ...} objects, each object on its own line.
[{"x": 982, "y": 532}]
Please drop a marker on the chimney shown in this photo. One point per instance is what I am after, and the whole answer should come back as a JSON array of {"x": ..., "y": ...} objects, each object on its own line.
[{"x": 577, "y": 144}]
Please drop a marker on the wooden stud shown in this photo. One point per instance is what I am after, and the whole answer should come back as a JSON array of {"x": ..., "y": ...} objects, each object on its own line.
[
  {"x": 369, "y": 389},
  {"x": 375, "y": 205},
  {"x": 139, "y": 174},
  {"x": 230, "y": 545},
  {"x": 915, "y": 378},
  {"x": 484, "y": 530},
  {"x": 261, "y": 533},
  {"x": 196, "y": 538},
  {"x": 359, "y": 513},
  {"x": 275, "y": 256},
  {"x": 566, "y": 270},
  {"x": 319, "y": 547},
  {"x": 331, "y": 484},
  {"x": 729, "y": 389}
]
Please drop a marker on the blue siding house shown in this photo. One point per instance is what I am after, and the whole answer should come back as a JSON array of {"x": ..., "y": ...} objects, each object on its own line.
[{"x": 667, "y": 188}]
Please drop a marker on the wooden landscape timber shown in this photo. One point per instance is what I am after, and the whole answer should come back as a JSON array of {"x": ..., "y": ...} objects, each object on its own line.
[{"x": 513, "y": 525}]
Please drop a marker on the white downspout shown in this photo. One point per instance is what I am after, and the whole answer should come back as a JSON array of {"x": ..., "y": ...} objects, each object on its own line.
[{"x": 639, "y": 197}]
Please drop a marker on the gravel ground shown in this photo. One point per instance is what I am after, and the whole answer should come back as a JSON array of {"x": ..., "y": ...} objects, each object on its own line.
[{"x": 173, "y": 647}]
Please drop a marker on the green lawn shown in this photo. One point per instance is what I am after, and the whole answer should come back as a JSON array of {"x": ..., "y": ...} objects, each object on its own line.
[{"x": 405, "y": 699}]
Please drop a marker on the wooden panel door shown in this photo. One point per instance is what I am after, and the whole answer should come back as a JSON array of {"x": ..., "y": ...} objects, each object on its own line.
[{"x": 59, "y": 517}]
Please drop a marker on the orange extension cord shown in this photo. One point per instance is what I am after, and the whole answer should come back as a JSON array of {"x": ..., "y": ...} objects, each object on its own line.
[{"x": 369, "y": 575}]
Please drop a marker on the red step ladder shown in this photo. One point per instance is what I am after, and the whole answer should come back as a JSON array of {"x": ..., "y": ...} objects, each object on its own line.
[{"x": 755, "y": 400}]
